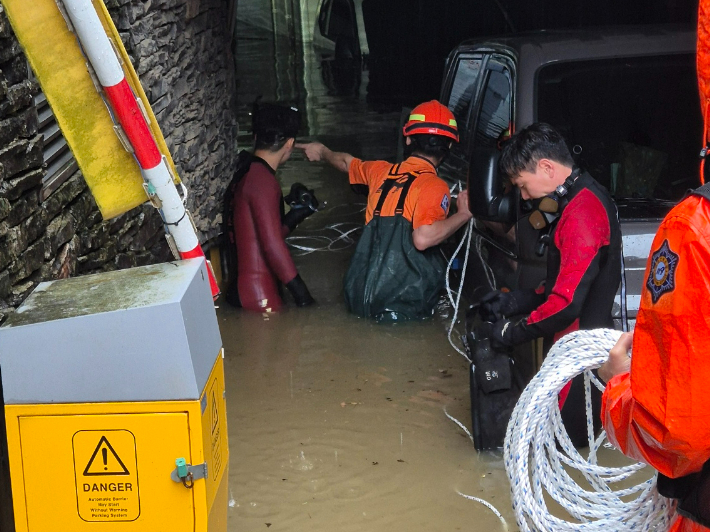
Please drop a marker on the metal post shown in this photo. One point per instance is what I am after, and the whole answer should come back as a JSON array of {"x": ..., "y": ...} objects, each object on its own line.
[{"x": 132, "y": 120}]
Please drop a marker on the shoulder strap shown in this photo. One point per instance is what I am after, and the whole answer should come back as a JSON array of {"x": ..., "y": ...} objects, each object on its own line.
[
  {"x": 384, "y": 190},
  {"x": 703, "y": 191},
  {"x": 387, "y": 187},
  {"x": 403, "y": 194}
]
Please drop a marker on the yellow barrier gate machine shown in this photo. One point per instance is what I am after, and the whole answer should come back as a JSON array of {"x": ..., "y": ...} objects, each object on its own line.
[{"x": 114, "y": 403}]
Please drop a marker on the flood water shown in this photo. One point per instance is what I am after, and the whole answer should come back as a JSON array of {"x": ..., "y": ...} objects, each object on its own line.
[{"x": 337, "y": 423}]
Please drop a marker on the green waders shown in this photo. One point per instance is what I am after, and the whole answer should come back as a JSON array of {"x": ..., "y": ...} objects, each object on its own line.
[{"x": 389, "y": 279}]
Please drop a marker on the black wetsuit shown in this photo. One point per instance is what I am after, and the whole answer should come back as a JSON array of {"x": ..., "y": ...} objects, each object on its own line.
[{"x": 583, "y": 270}]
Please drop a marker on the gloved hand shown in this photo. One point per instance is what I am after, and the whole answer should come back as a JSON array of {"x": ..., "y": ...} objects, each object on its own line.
[
  {"x": 300, "y": 196},
  {"x": 497, "y": 305},
  {"x": 295, "y": 216},
  {"x": 482, "y": 331},
  {"x": 303, "y": 203},
  {"x": 501, "y": 336},
  {"x": 300, "y": 292}
]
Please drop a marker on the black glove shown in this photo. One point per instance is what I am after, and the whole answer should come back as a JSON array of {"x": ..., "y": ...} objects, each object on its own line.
[
  {"x": 303, "y": 203},
  {"x": 295, "y": 216},
  {"x": 507, "y": 333},
  {"x": 300, "y": 196},
  {"x": 300, "y": 292},
  {"x": 497, "y": 305},
  {"x": 501, "y": 335}
]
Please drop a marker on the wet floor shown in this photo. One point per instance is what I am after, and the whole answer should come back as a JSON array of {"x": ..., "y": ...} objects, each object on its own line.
[{"x": 337, "y": 423}]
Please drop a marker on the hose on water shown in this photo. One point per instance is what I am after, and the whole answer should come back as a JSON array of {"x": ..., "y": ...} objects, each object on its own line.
[{"x": 539, "y": 455}]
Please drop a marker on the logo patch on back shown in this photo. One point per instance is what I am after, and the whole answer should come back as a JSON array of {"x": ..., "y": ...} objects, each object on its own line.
[
  {"x": 661, "y": 278},
  {"x": 445, "y": 203}
]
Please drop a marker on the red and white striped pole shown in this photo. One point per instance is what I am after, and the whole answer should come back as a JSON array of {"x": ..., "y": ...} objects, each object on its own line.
[{"x": 127, "y": 113}]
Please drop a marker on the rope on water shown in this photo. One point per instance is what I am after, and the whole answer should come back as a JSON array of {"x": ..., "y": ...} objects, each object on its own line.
[
  {"x": 343, "y": 239},
  {"x": 539, "y": 456}
]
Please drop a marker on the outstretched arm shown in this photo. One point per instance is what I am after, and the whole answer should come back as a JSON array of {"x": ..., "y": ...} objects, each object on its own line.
[{"x": 315, "y": 151}]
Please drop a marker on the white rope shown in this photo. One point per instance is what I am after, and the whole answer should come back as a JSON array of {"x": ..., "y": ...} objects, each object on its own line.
[
  {"x": 455, "y": 303},
  {"x": 471, "y": 497},
  {"x": 343, "y": 240},
  {"x": 539, "y": 454},
  {"x": 487, "y": 505},
  {"x": 490, "y": 276},
  {"x": 325, "y": 242}
]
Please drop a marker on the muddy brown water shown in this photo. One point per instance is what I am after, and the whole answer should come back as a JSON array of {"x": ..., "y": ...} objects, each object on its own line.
[{"x": 337, "y": 423}]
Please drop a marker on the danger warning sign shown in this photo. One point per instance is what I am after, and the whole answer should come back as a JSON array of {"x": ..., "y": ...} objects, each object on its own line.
[
  {"x": 108, "y": 463},
  {"x": 215, "y": 432},
  {"x": 106, "y": 474}
]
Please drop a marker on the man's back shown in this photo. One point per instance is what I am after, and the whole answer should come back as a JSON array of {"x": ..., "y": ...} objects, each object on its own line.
[
  {"x": 427, "y": 200},
  {"x": 259, "y": 234}
]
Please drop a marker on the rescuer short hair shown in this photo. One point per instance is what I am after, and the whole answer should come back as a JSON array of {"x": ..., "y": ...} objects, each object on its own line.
[
  {"x": 273, "y": 124},
  {"x": 528, "y": 146}
]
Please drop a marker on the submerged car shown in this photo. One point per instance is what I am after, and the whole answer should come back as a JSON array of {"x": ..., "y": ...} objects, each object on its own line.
[{"x": 627, "y": 102}]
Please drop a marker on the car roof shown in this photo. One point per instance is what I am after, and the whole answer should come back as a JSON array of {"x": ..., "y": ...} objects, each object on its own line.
[
  {"x": 536, "y": 49},
  {"x": 593, "y": 43}
]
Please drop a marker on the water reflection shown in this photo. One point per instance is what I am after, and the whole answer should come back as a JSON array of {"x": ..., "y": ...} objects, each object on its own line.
[{"x": 342, "y": 76}]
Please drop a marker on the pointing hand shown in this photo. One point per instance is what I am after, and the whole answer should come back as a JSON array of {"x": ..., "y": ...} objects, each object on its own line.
[{"x": 313, "y": 150}]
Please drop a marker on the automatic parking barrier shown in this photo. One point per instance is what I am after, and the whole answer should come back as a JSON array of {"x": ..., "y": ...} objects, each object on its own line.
[{"x": 132, "y": 128}]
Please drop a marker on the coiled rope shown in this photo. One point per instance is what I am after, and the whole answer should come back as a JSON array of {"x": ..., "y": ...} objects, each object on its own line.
[{"x": 539, "y": 454}]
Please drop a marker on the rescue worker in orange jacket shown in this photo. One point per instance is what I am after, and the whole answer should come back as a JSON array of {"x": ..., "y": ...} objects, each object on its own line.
[
  {"x": 397, "y": 271},
  {"x": 656, "y": 406}
]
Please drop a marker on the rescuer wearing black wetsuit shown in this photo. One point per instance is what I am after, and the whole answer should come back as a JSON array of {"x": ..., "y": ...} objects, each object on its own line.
[{"x": 577, "y": 217}]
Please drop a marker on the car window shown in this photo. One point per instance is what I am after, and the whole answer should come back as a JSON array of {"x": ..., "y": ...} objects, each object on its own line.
[
  {"x": 337, "y": 18},
  {"x": 323, "y": 17},
  {"x": 494, "y": 116},
  {"x": 633, "y": 123},
  {"x": 463, "y": 89}
]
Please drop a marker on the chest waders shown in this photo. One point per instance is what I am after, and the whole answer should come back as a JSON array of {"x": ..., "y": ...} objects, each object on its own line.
[{"x": 388, "y": 278}]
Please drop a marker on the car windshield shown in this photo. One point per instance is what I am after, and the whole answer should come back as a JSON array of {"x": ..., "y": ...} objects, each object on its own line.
[{"x": 633, "y": 123}]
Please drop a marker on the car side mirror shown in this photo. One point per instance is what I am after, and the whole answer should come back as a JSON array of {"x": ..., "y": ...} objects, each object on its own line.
[{"x": 487, "y": 199}]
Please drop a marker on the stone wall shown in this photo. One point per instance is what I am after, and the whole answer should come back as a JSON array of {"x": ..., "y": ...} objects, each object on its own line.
[{"x": 180, "y": 50}]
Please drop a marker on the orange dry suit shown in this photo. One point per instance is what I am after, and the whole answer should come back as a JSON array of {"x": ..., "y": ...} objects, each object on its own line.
[
  {"x": 659, "y": 412},
  {"x": 388, "y": 278}
]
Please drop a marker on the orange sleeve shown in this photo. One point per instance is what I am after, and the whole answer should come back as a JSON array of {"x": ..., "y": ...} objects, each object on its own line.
[
  {"x": 432, "y": 203},
  {"x": 367, "y": 172},
  {"x": 624, "y": 419},
  {"x": 660, "y": 412}
]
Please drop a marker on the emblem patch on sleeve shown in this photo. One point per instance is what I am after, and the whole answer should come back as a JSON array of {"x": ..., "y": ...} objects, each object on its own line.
[
  {"x": 661, "y": 278},
  {"x": 445, "y": 203}
]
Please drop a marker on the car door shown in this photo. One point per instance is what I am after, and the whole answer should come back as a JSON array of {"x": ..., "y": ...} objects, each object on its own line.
[
  {"x": 492, "y": 114},
  {"x": 459, "y": 94}
]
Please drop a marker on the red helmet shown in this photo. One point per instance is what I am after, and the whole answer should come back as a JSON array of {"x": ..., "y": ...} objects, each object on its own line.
[{"x": 432, "y": 118}]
